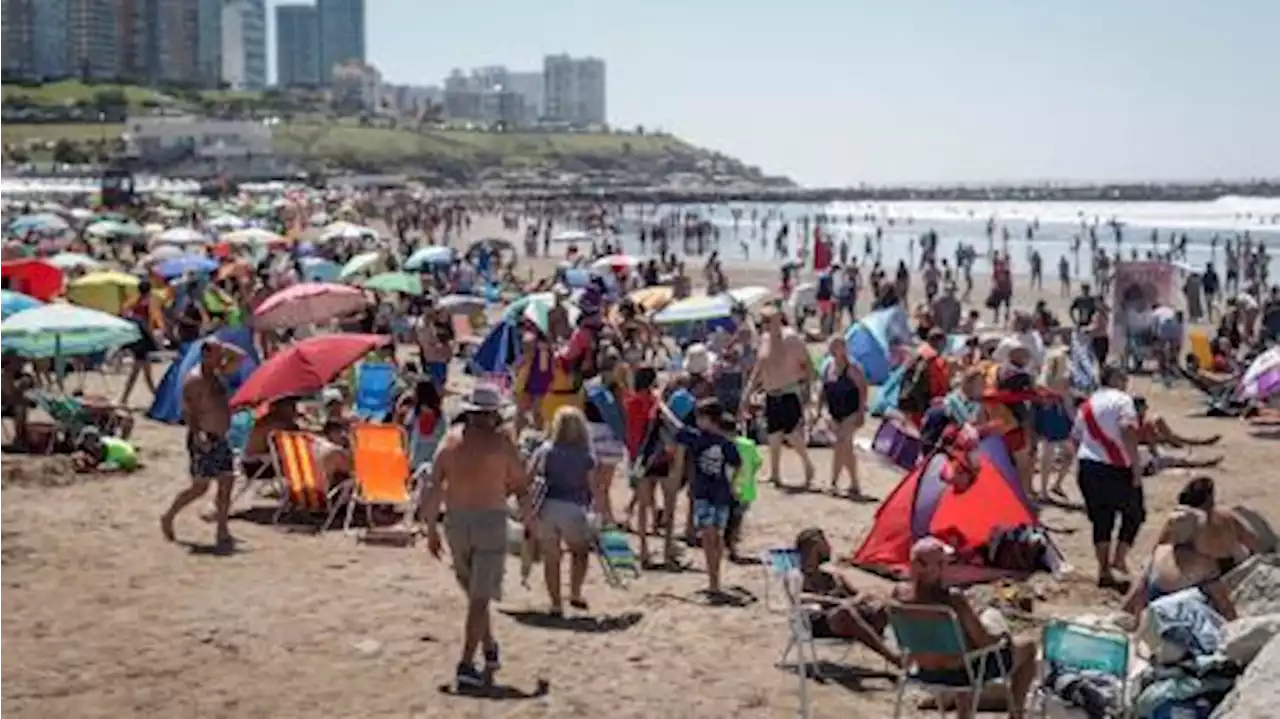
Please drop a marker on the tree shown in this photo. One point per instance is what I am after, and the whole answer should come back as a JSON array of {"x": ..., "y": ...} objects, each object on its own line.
[
  {"x": 65, "y": 151},
  {"x": 110, "y": 100}
]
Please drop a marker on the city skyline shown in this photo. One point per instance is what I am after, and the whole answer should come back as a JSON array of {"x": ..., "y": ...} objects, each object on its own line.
[{"x": 876, "y": 91}]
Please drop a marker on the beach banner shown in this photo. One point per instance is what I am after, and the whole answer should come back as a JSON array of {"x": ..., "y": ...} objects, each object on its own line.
[{"x": 1138, "y": 287}]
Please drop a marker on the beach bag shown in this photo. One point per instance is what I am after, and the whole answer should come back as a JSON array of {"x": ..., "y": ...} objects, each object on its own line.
[
  {"x": 914, "y": 397},
  {"x": 898, "y": 445}
]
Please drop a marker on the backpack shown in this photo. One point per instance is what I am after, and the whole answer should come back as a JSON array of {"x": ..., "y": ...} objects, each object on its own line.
[{"x": 915, "y": 395}]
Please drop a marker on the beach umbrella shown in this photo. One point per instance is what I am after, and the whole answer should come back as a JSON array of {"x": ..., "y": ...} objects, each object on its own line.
[
  {"x": 254, "y": 236},
  {"x": 305, "y": 367},
  {"x": 319, "y": 219},
  {"x": 12, "y": 303},
  {"x": 346, "y": 231},
  {"x": 181, "y": 236},
  {"x": 461, "y": 304},
  {"x": 695, "y": 309},
  {"x": 105, "y": 291},
  {"x": 37, "y": 278},
  {"x": 62, "y": 330},
  {"x": 750, "y": 296},
  {"x": 567, "y": 236},
  {"x": 113, "y": 228},
  {"x": 1262, "y": 379},
  {"x": 178, "y": 266},
  {"x": 536, "y": 309},
  {"x": 162, "y": 253},
  {"x": 308, "y": 303},
  {"x": 429, "y": 256},
  {"x": 223, "y": 223},
  {"x": 71, "y": 260},
  {"x": 872, "y": 340},
  {"x": 363, "y": 262},
  {"x": 45, "y": 223},
  {"x": 652, "y": 298},
  {"x": 401, "y": 282},
  {"x": 81, "y": 214},
  {"x": 616, "y": 263},
  {"x": 112, "y": 217},
  {"x": 318, "y": 269}
]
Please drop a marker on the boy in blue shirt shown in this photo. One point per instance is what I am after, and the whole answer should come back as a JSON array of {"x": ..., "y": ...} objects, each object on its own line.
[{"x": 715, "y": 460}]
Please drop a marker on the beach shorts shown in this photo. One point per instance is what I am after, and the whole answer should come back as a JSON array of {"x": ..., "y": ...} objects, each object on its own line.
[
  {"x": 215, "y": 460},
  {"x": 1110, "y": 495},
  {"x": 706, "y": 514},
  {"x": 438, "y": 373},
  {"x": 996, "y": 666},
  {"x": 783, "y": 413},
  {"x": 478, "y": 543},
  {"x": 561, "y": 520}
]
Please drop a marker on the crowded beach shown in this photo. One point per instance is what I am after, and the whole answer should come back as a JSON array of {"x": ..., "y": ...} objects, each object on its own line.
[{"x": 384, "y": 453}]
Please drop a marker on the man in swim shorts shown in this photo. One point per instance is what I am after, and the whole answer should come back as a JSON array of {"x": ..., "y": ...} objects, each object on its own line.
[
  {"x": 206, "y": 410},
  {"x": 785, "y": 373}
]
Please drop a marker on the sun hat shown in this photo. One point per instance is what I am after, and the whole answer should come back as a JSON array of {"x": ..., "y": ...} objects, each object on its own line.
[
  {"x": 484, "y": 397},
  {"x": 697, "y": 359}
]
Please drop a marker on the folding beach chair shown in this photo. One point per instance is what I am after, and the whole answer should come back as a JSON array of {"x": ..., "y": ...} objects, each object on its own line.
[
  {"x": 801, "y": 641},
  {"x": 305, "y": 485},
  {"x": 777, "y": 564},
  {"x": 1076, "y": 647},
  {"x": 68, "y": 414},
  {"x": 616, "y": 557},
  {"x": 375, "y": 390},
  {"x": 380, "y": 469},
  {"x": 254, "y": 468},
  {"x": 936, "y": 631}
]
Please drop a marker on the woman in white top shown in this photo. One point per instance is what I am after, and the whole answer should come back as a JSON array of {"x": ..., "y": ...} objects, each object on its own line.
[{"x": 1106, "y": 439}]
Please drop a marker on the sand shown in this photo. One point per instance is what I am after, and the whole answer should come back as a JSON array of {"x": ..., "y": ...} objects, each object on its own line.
[{"x": 103, "y": 618}]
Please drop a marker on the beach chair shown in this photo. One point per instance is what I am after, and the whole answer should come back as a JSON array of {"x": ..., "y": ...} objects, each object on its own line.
[
  {"x": 1077, "y": 647},
  {"x": 375, "y": 390},
  {"x": 801, "y": 642},
  {"x": 68, "y": 414},
  {"x": 380, "y": 469},
  {"x": 238, "y": 437},
  {"x": 305, "y": 485},
  {"x": 776, "y": 564},
  {"x": 936, "y": 631},
  {"x": 1201, "y": 350},
  {"x": 617, "y": 559}
]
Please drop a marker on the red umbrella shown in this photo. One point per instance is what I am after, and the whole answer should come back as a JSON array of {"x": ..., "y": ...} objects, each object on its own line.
[
  {"x": 305, "y": 367},
  {"x": 37, "y": 278}
]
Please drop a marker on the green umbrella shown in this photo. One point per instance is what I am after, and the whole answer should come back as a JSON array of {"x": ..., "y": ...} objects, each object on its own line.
[
  {"x": 401, "y": 282},
  {"x": 363, "y": 262},
  {"x": 114, "y": 228}
]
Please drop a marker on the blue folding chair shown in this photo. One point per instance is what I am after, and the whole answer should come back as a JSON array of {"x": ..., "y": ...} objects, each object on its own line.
[
  {"x": 777, "y": 563},
  {"x": 1077, "y": 647},
  {"x": 375, "y": 390},
  {"x": 935, "y": 631}
]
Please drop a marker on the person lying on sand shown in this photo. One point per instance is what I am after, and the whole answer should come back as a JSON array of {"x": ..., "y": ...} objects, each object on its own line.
[
  {"x": 1154, "y": 432},
  {"x": 840, "y": 612}
]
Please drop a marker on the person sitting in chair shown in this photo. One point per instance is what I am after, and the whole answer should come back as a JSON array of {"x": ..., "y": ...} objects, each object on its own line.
[{"x": 839, "y": 612}]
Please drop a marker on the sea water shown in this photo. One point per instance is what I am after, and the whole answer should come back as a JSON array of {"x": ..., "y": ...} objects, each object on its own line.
[{"x": 1054, "y": 226}]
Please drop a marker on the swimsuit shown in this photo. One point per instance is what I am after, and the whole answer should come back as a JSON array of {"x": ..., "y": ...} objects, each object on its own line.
[{"x": 210, "y": 460}]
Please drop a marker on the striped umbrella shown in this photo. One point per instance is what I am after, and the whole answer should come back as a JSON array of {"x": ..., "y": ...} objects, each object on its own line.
[
  {"x": 62, "y": 330},
  {"x": 11, "y": 303},
  {"x": 308, "y": 303}
]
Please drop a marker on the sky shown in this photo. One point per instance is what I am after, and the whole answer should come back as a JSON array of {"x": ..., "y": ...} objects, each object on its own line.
[{"x": 841, "y": 92}]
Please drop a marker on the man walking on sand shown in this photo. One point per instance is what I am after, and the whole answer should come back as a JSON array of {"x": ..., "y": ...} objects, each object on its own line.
[
  {"x": 475, "y": 469},
  {"x": 785, "y": 373},
  {"x": 206, "y": 410}
]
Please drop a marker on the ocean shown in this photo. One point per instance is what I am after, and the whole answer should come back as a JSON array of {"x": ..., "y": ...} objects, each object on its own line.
[{"x": 1053, "y": 225}]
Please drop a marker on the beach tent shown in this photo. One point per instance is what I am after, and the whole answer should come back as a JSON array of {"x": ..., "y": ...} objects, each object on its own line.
[
  {"x": 498, "y": 350},
  {"x": 924, "y": 504},
  {"x": 167, "y": 406},
  {"x": 872, "y": 340}
]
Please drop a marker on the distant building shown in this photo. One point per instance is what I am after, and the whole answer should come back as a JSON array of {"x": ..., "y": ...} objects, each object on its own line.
[
  {"x": 18, "y": 39},
  {"x": 297, "y": 45},
  {"x": 154, "y": 137},
  {"x": 574, "y": 90},
  {"x": 93, "y": 42},
  {"x": 493, "y": 94},
  {"x": 209, "y": 42},
  {"x": 244, "y": 44},
  {"x": 356, "y": 85},
  {"x": 51, "y": 39},
  {"x": 341, "y": 28},
  {"x": 412, "y": 100},
  {"x": 532, "y": 87}
]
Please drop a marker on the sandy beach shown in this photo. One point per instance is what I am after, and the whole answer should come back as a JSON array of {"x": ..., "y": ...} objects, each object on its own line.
[{"x": 103, "y": 618}]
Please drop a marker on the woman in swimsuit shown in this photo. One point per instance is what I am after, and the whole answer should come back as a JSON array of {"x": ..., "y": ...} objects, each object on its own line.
[{"x": 844, "y": 392}]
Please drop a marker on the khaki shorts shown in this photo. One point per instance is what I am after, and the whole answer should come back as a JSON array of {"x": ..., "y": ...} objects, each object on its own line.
[
  {"x": 564, "y": 521},
  {"x": 478, "y": 543}
]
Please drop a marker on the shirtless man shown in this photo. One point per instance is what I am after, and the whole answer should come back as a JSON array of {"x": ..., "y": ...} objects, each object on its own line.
[
  {"x": 785, "y": 373},
  {"x": 206, "y": 411},
  {"x": 475, "y": 469}
]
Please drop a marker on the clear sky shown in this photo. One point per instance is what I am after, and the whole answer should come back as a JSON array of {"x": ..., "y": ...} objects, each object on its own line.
[{"x": 846, "y": 91}]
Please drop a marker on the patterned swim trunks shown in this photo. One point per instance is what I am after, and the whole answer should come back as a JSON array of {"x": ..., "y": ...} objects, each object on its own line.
[{"x": 210, "y": 460}]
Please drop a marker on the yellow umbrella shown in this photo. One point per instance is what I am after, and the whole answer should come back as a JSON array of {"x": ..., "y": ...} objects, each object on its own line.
[{"x": 106, "y": 291}]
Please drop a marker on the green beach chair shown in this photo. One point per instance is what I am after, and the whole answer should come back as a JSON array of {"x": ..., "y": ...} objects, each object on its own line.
[
  {"x": 617, "y": 559},
  {"x": 1077, "y": 647},
  {"x": 935, "y": 631}
]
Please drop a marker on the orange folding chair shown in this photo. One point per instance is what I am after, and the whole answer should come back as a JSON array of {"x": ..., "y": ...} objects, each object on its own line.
[
  {"x": 304, "y": 484},
  {"x": 380, "y": 465}
]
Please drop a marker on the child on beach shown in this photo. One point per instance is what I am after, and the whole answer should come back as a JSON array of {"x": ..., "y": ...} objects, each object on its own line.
[
  {"x": 744, "y": 492},
  {"x": 714, "y": 460}
]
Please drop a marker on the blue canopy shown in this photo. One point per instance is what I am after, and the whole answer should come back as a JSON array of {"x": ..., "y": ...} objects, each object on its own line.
[
  {"x": 168, "y": 403},
  {"x": 187, "y": 263},
  {"x": 498, "y": 351},
  {"x": 871, "y": 341}
]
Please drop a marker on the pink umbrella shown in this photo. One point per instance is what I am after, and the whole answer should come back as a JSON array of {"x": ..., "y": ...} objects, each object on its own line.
[{"x": 308, "y": 303}]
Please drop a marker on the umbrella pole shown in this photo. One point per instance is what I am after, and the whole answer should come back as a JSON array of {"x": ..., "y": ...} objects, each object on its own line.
[{"x": 59, "y": 365}]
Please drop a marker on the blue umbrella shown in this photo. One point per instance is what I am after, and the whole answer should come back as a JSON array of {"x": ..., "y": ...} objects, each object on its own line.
[
  {"x": 62, "y": 330},
  {"x": 318, "y": 269},
  {"x": 434, "y": 256},
  {"x": 14, "y": 302},
  {"x": 43, "y": 222},
  {"x": 179, "y": 266}
]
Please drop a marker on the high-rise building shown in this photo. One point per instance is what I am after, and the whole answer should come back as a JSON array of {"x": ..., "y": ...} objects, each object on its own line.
[
  {"x": 341, "y": 24},
  {"x": 574, "y": 90},
  {"x": 93, "y": 40},
  {"x": 209, "y": 42},
  {"x": 244, "y": 44},
  {"x": 17, "y": 38},
  {"x": 532, "y": 87},
  {"x": 297, "y": 45},
  {"x": 51, "y": 39}
]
